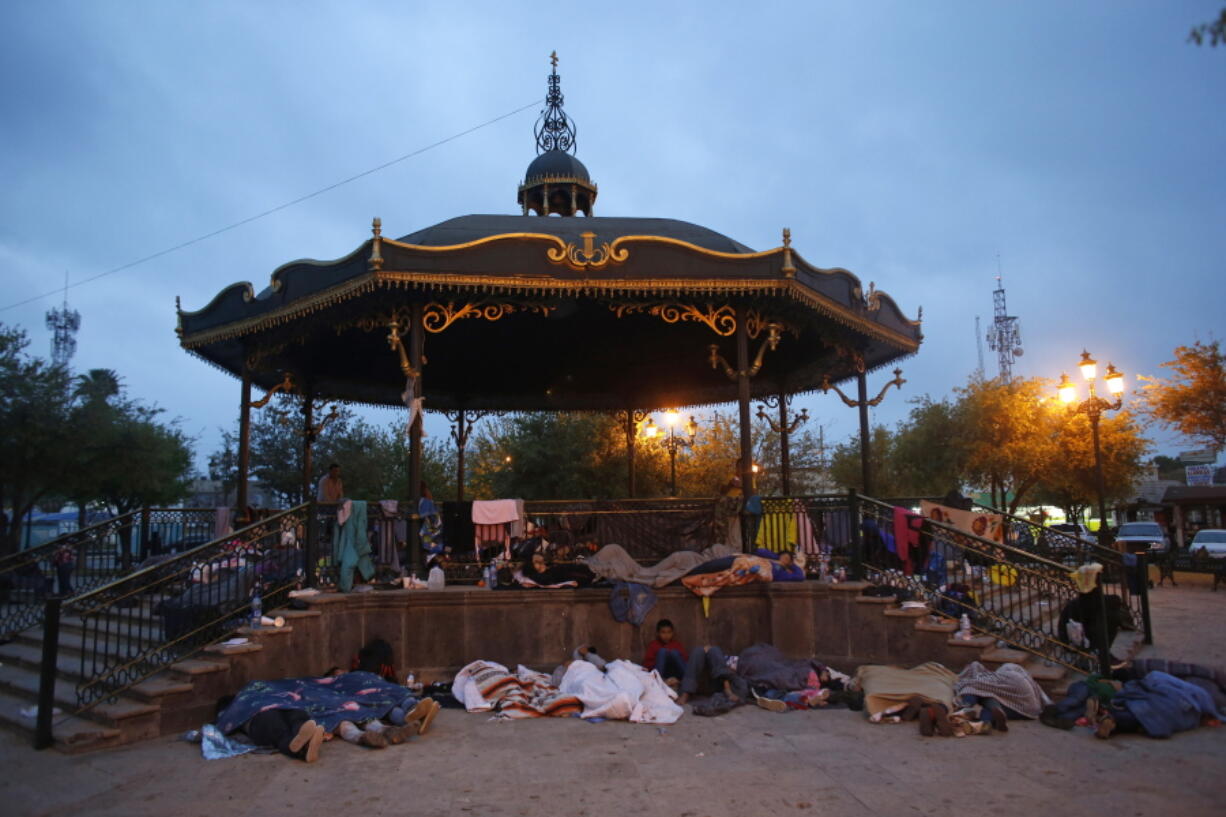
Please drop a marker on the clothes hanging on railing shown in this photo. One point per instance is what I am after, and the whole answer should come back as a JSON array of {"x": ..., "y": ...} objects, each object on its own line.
[
  {"x": 221, "y": 522},
  {"x": 351, "y": 547},
  {"x": 907, "y": 538},
  {"x": 497, "y": 520},
  {"x": 836, "y": 528}
]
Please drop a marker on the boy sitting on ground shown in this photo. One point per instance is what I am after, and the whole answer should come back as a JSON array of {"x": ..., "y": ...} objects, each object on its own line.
[{"x": 666, "y": 655}]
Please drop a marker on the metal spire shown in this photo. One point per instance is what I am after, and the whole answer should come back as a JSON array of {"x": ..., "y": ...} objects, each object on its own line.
[{"x": 554, "y": 131}]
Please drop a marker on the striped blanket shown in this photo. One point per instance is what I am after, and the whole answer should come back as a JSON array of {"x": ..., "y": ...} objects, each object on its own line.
[
  {"x": 1009, "y": 684},
  {"x": 484, "y": 686}
]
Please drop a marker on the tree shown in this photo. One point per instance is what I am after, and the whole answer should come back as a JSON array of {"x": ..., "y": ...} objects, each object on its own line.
[
  {"x": 34, "y": 432},
  {"x": 1193, "y": 400},
  {"x": 374, "y": 460},
  {"x": 1009, "y": 434},
  {"x": 928, "y": 456},
  {"x": 845, "y": 463},
  {"x": 1214, "y": 31},
  {"x": 1071, "y": 482}
]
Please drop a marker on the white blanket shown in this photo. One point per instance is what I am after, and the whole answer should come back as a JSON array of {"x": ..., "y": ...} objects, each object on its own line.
[{"x": 625, "y": 691}]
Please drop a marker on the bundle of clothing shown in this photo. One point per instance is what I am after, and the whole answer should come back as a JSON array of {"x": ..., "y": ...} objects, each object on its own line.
[
  {"x": 780, "y": 683},
  {"x": 621, "y": 691},
  {"x": 485, "y": 686},
  {"x": 614, "y": 690},
  {"x": 613, "y": 563},
  {"x": 706, "y": 579}
]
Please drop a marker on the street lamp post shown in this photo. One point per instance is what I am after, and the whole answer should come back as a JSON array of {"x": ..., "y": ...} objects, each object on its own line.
[
  {"x": 673, "y": 441},
  {"x": 785, "y": 427},
  {"x": 1093, "y": 407}
]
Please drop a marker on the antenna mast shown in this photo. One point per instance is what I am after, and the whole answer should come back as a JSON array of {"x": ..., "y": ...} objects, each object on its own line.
[
  {"x": 63, "y": 323},
  {"x": 979, "y": 347},
  {"x": 1005, "y": 335}
]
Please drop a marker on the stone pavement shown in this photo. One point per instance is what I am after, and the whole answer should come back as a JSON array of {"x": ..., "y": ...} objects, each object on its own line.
[{"x": 749, "y": 762}]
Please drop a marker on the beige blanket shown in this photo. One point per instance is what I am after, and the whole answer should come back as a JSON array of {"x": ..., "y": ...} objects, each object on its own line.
[
  {"x": 612, "y": 562},
  {"x": 885, "y": 687}
]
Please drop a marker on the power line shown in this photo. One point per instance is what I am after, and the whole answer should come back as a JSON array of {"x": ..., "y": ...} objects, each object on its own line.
[{"x": 276, "y": 209}]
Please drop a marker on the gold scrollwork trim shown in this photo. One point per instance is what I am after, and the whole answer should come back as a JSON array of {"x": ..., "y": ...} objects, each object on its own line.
[
  {"x": 438, "y": 317},
  {"x": 589, "y": 256},
  {"x": 719, "y": 319}
]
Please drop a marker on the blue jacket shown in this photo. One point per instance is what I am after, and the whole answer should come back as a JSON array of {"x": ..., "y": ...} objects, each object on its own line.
[{"x": 1165, "y": 705}]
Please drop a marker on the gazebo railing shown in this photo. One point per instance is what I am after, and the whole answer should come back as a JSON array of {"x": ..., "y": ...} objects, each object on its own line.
[
  {"x": 1018, "y": 596},
  {"x": 128, "y": 629},
  {"x": 101, "y": 553}
]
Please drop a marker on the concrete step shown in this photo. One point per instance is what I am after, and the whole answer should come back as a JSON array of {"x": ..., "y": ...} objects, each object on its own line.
[
  {"x": 907, "y": 612},
  {"x": 1004, "y": 655},
  {"x": 978, "y": 642},
  {"x": 1043, "y": 673},
  {"x": 160, "y": 686},
  {"x": 71, "y": 734},
  {"x": 24, "y": 684},
  {"x": 191, "y": 667},
  {"x": 850, "y": 587},
  {"x": 945, "y": 625},
  {"x": 235, "y": 649}
]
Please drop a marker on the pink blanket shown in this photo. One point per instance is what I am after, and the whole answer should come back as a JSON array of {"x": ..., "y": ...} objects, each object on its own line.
[{"x": 495, "y": 511}]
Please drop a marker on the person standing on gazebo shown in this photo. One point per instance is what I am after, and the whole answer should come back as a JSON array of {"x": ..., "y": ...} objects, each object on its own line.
[{"x": 331, "y": 488}]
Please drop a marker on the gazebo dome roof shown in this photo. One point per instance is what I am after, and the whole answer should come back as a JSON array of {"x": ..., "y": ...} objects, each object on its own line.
[
  {"x": 467, "y": 229},
  {"x": 556, "y": 164}
]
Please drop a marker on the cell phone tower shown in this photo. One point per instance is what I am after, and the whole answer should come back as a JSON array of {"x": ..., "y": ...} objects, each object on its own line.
[
  {"x": 63, "y": 323},
  {"x": 1005, "y": 334}
]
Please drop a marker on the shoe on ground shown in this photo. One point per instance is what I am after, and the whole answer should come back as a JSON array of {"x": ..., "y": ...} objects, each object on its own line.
[
  {"x": 312, "y": 747},
  {"x": 300, "y": 740},
  {"x": 772, "y": 704},
  {"x": 428, "y": 718}
]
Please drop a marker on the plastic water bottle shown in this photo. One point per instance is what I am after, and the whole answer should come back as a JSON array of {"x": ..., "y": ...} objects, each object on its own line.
[
  {"x": 491, "y": 576},
  {"x": 436, "y": 580},
  {"x": 257, "y": 609},
  {"x": 964, "y": 628}
]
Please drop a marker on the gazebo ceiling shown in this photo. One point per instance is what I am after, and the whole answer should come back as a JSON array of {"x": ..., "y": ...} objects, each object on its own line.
[{"x": 531, "y": 312}]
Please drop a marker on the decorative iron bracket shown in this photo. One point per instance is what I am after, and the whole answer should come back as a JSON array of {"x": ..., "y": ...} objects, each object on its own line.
[
  {"x": 717, "y": 361},
  {"x": 876, "y": 401},
  {"x": 286, "y": 385},
  {"x": 396, "y": 343}
]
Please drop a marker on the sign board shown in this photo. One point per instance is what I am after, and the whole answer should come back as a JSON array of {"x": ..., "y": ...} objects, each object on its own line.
[
  {"x": 1199, "y": 474},
  {"x": 1206, "y": 456}
]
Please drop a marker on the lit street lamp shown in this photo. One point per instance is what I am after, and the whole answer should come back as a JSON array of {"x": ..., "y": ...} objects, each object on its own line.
[
  {"x": 672, "y": 442},
  {"x": 1093, "y": 407}
]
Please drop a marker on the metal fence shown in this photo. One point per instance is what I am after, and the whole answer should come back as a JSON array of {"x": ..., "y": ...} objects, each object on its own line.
[
  {"x": 129, "y": 629},
  {"x": 82, "y": 560}
]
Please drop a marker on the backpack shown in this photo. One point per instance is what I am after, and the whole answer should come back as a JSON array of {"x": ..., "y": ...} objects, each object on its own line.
[{"x": 631, "y": 602}]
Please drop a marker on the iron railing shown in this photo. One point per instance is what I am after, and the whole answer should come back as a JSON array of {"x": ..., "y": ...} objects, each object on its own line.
[
  {"x": 131, "y": 628},
  {"x": 1125, "y": 575},
  {"x": 99, "y": 554},
  {"x": 1017, "y": 595}
]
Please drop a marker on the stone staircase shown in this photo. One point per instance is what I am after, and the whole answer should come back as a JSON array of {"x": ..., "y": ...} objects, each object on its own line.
[
  {"x": 179, "y": 698},
  {"x": 1053, "y": 677}
]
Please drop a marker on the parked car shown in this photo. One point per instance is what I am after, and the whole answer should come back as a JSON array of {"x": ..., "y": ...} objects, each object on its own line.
[
  {"x": 1071, "y": 530},
  {"x": 1136, "y": 537},
  {"x": 1212, "y": 540}
]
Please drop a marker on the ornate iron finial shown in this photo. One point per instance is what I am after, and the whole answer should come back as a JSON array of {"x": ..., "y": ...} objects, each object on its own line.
[
  {"x": 178, "y": 306},
  {"x": 789, "y": 269},
  {"x": 787, "y": 236},
  {"x": 554, "y": 131},
  {"x": 376, "y": 227}
]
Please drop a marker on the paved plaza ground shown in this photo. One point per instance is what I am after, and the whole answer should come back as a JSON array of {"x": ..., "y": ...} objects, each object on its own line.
[{"x": 748, "y": 762}]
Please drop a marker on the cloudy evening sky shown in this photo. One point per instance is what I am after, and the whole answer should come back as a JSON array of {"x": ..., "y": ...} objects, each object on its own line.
[{"x": 909, "y": 142}]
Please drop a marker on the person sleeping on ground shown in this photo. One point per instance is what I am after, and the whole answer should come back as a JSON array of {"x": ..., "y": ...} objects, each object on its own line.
[{"x": 538, "y": 573}]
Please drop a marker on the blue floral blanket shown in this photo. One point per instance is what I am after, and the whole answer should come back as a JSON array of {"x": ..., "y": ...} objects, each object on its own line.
[{"x": 354, "y": 696}]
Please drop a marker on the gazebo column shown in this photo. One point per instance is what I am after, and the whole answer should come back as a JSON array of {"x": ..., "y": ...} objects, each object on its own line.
[
  {"x": 742, "y": 398},
  {"x": 244, "y": 443},
  {"x": 461, "y": 442},
  {"x": 308, "y": 441},
  {"x": 866, "y": 468},
  {"x": 630, "y": 435},
  {"x": 785, "y": 460},
  {"x": 416, "y": 341}
]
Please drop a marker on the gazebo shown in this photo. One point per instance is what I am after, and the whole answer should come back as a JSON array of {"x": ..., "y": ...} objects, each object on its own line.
[{"x": 548, "y": 310}]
